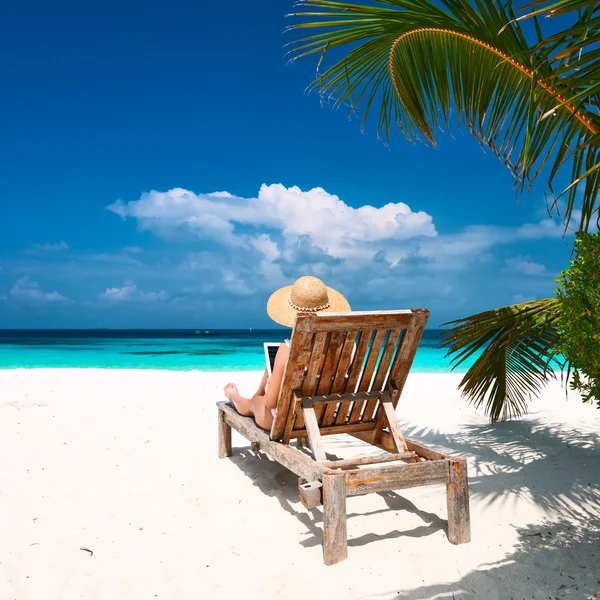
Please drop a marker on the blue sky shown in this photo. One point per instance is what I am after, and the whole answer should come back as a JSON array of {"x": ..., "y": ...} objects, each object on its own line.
[{"x": 157, "y": 167}]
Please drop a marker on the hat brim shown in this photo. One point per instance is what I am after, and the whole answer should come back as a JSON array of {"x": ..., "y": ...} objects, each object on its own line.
[{"x": 281, "y": 311}]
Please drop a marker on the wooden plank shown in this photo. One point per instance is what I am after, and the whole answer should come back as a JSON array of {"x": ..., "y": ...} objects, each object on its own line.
[
  {"x": 406, "y": 353},
  {"x": 353, "y": 428},
  {"x": 340, "y": 380},
  {"x": 386, "y": 360},
  {"x": 334, "y": 350},
  {"x": 342, "y": 376},
  {"x": 382, "y": 370},
  {"x": 311, "y": 493},
  {"x": 357, "y": 361},
  {"x": 312, "y": 428},
  {"x": 338, "y": 397},
  {"x": 457, "y": 494},
  {"x": 299, "y": 355},
  {"x": 367, "y": 460},
  {"x": 362, "y": 320},
  {"x": 223, "y": 435},
  {"x": 393, "y": 424},
  {"x": 403, "y": 361},
  {"x": 424, "y": 451},
  {"x": 374, "y": 351},
  {"x": 291, "y": 458},
  {"x": 295, "y": 411},
  {"x": 315, "y": 367},
  {"x": 313, "y": 374},
  {"x": 335, "y": 537},
  {"x": 386, "y": 442},
  {"x": 396, "y": 477},
  {"x": 367, "y": 374}
]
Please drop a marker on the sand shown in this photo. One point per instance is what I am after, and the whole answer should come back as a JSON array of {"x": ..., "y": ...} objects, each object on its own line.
[{"x": 124, "y": 463}]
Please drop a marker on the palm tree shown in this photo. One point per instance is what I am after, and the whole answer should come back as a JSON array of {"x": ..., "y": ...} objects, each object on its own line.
[{"x": 534, "y": 103}]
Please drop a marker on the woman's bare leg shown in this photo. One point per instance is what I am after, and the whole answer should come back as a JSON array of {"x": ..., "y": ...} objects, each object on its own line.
[
  {"x": 242, "y": 405},
  {"x": 262, "y": 415},
  {"x": 263, "y": 384},
  {"x": 252, "y": 407}
]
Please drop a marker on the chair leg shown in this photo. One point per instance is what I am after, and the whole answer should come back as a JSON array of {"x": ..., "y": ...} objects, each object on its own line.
[
  {"x": 457, "y": 493},
  {"x": 224, "y": 435},
  {"x": 335, "y": 546}
]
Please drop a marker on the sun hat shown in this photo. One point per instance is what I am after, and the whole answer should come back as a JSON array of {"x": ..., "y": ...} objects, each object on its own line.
[{"x": 307, "y": 295}]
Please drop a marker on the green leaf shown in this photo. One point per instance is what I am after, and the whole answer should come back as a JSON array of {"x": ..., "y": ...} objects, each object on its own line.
[
  {"x": 415, "y": 63},
  {"x": 517, "y": 345}
]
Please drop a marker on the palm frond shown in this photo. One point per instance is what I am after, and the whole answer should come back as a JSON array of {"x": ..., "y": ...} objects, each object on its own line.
[
  {"x": 517, "y": 354},
  {"x": 416, "y": 60}
]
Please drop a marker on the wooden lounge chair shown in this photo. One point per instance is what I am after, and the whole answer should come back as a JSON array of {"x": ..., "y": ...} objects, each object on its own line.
[{"x": 345, "y": 374}]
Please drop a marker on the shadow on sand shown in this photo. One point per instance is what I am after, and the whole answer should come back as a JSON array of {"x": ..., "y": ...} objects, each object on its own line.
[
  {"x": 554, "y": 467},
  {"x": 276, "y": 481}
]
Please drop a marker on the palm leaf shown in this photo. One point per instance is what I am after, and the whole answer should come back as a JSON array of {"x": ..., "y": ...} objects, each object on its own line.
[
  {"x": 517, "y": 354},
  {"x": 416, "y": 60}
]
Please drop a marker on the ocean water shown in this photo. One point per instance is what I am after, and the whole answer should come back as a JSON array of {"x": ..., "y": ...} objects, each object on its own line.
[{"x": 216, "y": 350}]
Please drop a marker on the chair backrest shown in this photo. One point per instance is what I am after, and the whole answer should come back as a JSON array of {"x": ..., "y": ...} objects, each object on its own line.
[{"x": 346, "y": 353}]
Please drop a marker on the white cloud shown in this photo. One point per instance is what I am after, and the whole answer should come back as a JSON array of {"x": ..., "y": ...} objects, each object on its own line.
[
  {"x": 288, "y": 225},
  {"x": 243, "y": 248},
  {"x": 472, "y": 244},
  {"x": 522, "y": 264},
  {"x": 25, "y": 289},
  {"x": 3, "y": 297},
  {"x": 122, "y": 293},
  {"x": 130, "y": 292},
  {"x": 333, "y": 226},
  {"x": 132, "y": 250},
  {"x": 51, "y": 247}
]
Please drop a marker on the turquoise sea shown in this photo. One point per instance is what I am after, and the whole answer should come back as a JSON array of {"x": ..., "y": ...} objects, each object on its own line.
[{"x": 215, "y": 350}]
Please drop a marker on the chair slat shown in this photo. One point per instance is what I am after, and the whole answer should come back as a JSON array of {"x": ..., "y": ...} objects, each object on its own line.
[
  {"x": 343, "y": 374},
  {"x": 357, "y": 365},
  {"x": 385, "y": 365},
  {"x": 368, "y": 320},
  {"x": 357, "y": 361},
  {"x": 312, "y": 429},
  {"x": 299, "y": 357},
  {"x": 367, "y": 374},
  {"x": 316, "y": 364},
  {"x": 325, "y": 414},
  {"x": 318, "y": 350},
  {"x": 402, "y": 364},
  {"x": 295, "y": 419}
]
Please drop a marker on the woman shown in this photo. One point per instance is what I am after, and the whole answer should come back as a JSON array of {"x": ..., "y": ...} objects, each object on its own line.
[{"x": 307, "y": 295}]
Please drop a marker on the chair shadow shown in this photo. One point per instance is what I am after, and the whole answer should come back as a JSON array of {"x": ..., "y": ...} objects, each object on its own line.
[
  {"x": 507, "y": 460},
  {"x": 277, "y": 481}
]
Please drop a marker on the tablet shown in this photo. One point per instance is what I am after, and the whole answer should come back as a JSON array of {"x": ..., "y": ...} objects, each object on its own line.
[{"x": 270, "y": 354}]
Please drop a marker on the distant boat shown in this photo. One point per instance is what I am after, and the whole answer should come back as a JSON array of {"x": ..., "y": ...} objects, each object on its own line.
[
  {"x": 251, "y": 329},
  {"x": 199, "y": 333}
]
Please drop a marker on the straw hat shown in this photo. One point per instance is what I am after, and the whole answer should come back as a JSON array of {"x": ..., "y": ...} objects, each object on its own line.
[{"x": 307, "y": 295}]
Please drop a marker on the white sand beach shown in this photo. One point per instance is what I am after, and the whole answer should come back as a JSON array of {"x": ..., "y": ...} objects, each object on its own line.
[{"x": 124, "y": 463}]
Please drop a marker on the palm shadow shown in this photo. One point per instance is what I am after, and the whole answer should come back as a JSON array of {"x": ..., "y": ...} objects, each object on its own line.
[
  {"x": 509, "y": 460},
  {"x": 551, "y": 560},
  {"x": 517, "y": 458}
]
